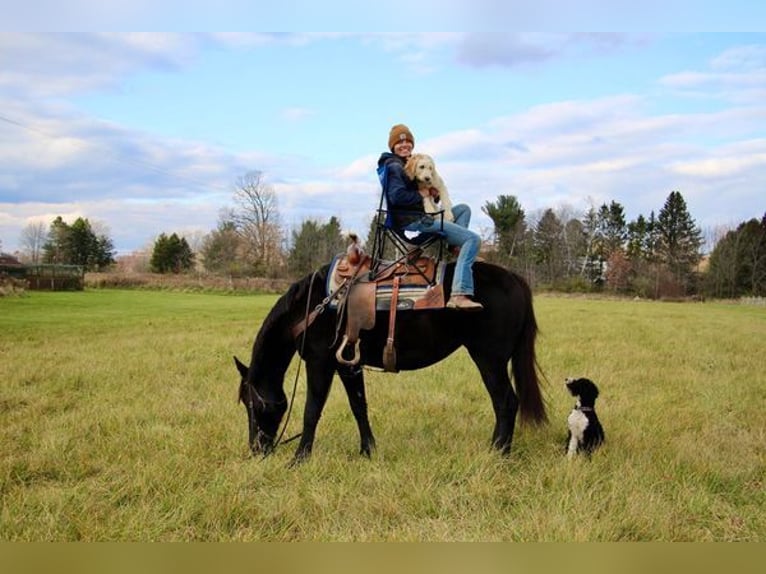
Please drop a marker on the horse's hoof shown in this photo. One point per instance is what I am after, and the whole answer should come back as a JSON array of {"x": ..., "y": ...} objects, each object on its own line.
[
  {"x": 296, "y": 461},
  {"x": 367, "y": 450},
  {"x": 300, "y": 457}
]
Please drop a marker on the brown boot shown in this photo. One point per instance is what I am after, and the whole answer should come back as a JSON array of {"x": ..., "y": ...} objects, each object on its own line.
[{"x": 463, "y": 302}]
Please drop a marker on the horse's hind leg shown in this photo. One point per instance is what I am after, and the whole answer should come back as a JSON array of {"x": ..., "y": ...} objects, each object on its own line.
[
  {"x": 353, "y": 382},
  {"x": 505, "y": 403}
]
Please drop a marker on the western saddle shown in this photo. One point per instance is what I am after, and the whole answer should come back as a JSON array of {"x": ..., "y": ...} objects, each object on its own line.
[{"x": 399, "y": 275}]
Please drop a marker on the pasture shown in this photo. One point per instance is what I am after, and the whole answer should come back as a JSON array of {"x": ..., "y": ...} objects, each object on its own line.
[{"x": 120, "y": 423}]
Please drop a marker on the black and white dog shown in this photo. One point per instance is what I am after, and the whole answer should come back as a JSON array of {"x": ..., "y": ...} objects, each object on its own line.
[{"x": 585, "y": 431}]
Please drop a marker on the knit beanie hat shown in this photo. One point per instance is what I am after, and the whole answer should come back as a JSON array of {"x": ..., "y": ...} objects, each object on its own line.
[{"x": 398, "y": 133}]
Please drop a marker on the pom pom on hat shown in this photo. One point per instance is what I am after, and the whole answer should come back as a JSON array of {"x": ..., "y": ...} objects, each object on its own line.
[{"x": 398, "y": 133}]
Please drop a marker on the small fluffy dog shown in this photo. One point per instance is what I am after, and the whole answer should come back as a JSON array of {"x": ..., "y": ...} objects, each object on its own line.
[
  {"x": 421, "y": 168},
  {"x": 585, "y": 431}
]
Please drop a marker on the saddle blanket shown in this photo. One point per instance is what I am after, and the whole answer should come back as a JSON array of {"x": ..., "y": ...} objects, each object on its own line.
[{"x": 415, "y": 292}]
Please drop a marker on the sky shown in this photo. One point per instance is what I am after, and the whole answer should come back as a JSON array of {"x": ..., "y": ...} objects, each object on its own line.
[{"x": 148, "y": 133}]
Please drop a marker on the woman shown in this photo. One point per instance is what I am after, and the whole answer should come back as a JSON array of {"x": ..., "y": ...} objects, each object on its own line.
[{"x": 406, "y": 208}]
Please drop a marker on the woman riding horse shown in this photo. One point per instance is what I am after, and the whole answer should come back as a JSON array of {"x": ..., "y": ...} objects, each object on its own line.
[{"x": 504, "y": 332}]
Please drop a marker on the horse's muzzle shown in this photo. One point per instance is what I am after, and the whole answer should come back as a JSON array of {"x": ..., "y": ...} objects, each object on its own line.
[{"x": 262, "y": 444}]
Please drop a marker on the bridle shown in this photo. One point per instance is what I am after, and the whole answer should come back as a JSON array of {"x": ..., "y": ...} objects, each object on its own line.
[{"x": 309, "y": 317}]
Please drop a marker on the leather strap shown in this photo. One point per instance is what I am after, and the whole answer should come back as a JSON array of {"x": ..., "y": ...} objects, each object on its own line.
[
  {"x": 305, "y": 323},
  {"x": 389, "y": 355}
]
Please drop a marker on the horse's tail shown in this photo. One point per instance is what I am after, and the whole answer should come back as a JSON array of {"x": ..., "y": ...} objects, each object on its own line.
[{"x": 526, "y": 371}]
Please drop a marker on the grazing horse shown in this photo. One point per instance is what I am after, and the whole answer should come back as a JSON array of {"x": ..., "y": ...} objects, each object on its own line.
[{"x": 503, "y": 331}]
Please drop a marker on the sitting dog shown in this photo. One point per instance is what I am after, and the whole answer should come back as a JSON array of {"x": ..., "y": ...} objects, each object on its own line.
[
  {"x": 585, "y": 431},
  {"x": 421, "y": 168}
]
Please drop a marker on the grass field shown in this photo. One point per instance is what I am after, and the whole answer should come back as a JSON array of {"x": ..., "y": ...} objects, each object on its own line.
[{"x": 120, "y": 422}]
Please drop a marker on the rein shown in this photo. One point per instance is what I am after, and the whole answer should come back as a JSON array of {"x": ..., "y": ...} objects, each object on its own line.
[
  {"x": 300, "y": 328},
  {"x": 318, "y": 309},
  {"x": 310, "y": 316}
]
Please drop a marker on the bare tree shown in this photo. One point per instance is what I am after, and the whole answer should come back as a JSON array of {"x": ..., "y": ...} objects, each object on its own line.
[
  {"x": 573, "y": 237},
  {"x": 32, "y": 239},
  {"x": 256, "y": 218}
]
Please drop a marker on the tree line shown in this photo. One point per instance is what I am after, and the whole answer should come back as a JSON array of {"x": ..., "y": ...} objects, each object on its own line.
[
  {"x": 652, "y": 256},
  {"x": 80, "y": 243},
  {"x": 659, "y": 255}
]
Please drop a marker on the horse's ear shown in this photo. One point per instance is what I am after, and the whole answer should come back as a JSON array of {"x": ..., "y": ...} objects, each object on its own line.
[{"x": 241, "y": 367}]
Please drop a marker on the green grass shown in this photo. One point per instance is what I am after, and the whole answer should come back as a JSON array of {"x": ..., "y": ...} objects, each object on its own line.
[{"x": 120, "y": 422}]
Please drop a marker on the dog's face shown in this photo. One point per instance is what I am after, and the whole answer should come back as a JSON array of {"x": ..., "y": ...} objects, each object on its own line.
[
  {"x": 420, "y": 167},
  {"x": 583, "y": 389}
]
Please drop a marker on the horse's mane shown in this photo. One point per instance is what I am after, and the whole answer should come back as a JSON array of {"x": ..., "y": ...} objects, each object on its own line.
[{"x": 287, "y": 307}]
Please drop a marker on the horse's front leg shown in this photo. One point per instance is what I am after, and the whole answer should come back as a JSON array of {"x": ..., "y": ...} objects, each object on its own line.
[
  {"x": 319, "y": 378},
  {"x": 353, "y": 382}
]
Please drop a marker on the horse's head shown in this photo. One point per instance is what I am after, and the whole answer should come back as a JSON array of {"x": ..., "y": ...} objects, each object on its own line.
[{"x": 264, "y": 410}]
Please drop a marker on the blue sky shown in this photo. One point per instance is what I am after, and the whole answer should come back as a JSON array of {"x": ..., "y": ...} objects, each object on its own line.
[{"x": 148, "y": 133}]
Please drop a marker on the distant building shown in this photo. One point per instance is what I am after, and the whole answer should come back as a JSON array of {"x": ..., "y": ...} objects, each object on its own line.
[
  {"x": 43, "y": 277},
  {"x": 6, "y": 259}
]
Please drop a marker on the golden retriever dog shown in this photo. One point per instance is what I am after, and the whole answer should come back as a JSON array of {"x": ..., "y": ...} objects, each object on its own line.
[{"x": 421, "y": 168}]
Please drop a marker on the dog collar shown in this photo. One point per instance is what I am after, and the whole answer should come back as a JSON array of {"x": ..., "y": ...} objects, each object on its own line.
[{"x": 585, "y": 409}]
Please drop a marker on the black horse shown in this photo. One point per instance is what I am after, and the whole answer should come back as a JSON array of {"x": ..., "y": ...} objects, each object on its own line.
[{"x": 503, "y": 331}]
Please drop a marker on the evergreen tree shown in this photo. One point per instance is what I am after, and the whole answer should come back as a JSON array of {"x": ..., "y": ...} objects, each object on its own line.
[
  {"x": 77, "y": 244},
  {"x": 171, "y": 254},
  {"x": 332, "y": 239},
  {"x": 752, "y": 274},
  {"x": 83, "y": 244},
  {"x": 721, "y": 279},
  {"x": 638, "y": 233},
  {"x": 611, "y": 231},
  {"x": 222, "y": 250},
  {"x": 608, "y": 233},
  {"x": 104, "y": 255},
  {"x": 509, "y": 227},
  {"x": 185, "y": 260},
  {"x": 548, "y": 247},
  {"x": 679, "y": 240},
  {"x": 314, "y": 245},
  {"x": 370, "y": 242},
  {"x": 737, "y": 264},
  {"x": 56, "y": 248}
]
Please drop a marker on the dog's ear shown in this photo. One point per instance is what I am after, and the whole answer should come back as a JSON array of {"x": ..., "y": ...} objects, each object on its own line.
[
  {"x": 437, "y": 179},
  {"x": 409, "y": 167}
]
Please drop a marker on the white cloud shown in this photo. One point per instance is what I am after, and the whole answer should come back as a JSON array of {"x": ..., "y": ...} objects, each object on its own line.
[
  {"x": 55, "y": 160},
  {"x": 737, "y": 75},
  {"x": 48, "y": 65},
  {"x": 729, "y": 161},
  {"x": 741, "y": 59}
]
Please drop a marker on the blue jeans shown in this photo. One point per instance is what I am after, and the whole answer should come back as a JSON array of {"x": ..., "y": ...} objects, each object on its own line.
[{"x": 456, "y": 233}]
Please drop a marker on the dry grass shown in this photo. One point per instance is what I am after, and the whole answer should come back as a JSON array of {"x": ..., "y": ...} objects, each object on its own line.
[
  {"x": 120, "y": 423},
  {"x": 188, "y": 282}
]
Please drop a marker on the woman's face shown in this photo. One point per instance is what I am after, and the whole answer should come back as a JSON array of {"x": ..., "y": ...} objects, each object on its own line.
[{"x": 403, "y": 148}]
